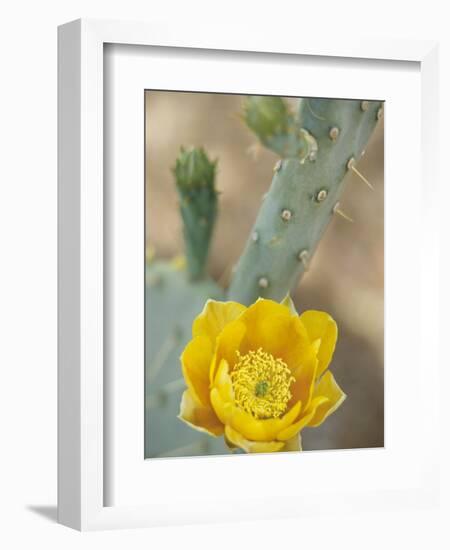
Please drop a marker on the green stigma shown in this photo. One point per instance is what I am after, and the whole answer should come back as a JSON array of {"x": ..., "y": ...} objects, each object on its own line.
[{"x": 261, "y": 388}]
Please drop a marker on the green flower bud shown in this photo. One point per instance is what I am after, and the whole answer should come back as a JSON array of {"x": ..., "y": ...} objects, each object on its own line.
[
  {"x": 266, "y": 116},
  {"x": 193, "y": 169},
  {"x": 195, "y": 182}
]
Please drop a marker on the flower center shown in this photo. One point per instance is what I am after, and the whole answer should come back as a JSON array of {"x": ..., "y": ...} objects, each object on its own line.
[{"x": 261, "y": 384}]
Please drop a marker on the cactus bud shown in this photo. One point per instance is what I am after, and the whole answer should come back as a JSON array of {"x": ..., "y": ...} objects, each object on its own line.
[
  {"x": 266, "y": 116},
  {"x": 195, "y": 182},
  {"x": 193, "y": 169},
  {"x": 277, "y": 128}
]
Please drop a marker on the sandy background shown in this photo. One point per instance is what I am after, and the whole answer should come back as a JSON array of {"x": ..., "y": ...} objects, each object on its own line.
[{"x": 346, "y": 274}]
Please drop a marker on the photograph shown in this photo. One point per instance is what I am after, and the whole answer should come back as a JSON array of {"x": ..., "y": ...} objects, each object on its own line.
[{"x": 264, "y": 274}]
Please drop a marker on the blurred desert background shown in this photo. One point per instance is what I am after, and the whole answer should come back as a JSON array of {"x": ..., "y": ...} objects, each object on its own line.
[{"x": 346, "y": 275}]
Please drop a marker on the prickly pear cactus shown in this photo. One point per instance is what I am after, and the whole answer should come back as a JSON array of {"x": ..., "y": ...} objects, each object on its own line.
[{"x": 318, "y": 148}]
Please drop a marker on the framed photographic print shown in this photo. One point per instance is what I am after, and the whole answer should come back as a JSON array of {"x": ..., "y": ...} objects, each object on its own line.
[{"x": 235, "y": 283}]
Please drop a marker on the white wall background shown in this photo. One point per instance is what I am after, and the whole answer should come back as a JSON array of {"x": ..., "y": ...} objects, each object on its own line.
[{"x": 28, "y": 272}]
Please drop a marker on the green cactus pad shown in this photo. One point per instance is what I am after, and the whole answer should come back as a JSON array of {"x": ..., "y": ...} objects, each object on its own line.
[
  {"x": 171, "y": 304},
  {"x": 302, "y": 197}
]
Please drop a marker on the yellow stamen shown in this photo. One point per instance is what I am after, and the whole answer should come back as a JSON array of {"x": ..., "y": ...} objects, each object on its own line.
[{"x": 261, "y": 384}]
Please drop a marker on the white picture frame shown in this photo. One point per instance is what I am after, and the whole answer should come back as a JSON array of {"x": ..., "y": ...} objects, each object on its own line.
[{"x": 82, "y": 483}]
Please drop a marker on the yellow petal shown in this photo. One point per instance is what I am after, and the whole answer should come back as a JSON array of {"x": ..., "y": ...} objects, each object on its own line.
[
  {"x": 198, "y": 417},
  {"x": 295, "y": 428},
  {"x": 321, "y": 326},
  {"x": 236, "y": 439},
  {"x": 227, "y": 344},
  {"x": 272, "y": 327},
  {"x": 296, "y": 348},
  {"x": 214, "y": 317},
  {"x": 223, "y": 382},
  {"x": 294, "y": 444},
  {"x": 305, "y": 375},
  {"x": 244, "y": 423},
  {"x": 195, "y": 363},
  {"x": 261, "y": 430},
  {"x": 267, "y": 322},
  {"x": 326, "y": 387},
  {"x": 222, "y": 408}
]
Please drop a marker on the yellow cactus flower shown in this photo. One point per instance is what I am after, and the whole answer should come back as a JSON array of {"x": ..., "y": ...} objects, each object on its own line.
[{"x": 258, "y": 375}]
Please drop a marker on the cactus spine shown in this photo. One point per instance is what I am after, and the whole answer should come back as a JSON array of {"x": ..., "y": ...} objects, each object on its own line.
[{"x": 318, "y": 147}]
